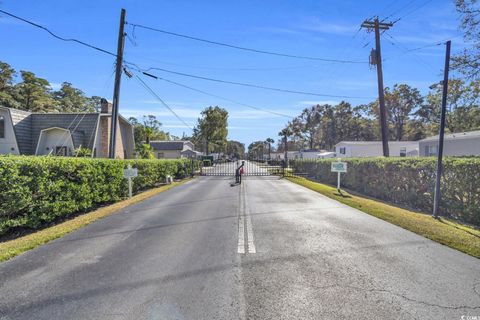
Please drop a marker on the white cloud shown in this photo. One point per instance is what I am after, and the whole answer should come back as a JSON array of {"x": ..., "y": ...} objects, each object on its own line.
[{"x": 317, "y": 25}]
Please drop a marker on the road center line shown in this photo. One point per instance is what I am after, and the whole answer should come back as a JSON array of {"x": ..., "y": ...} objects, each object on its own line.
[
  {"x": 250, "y": 237},
  {"x": 241, "y": 234}
]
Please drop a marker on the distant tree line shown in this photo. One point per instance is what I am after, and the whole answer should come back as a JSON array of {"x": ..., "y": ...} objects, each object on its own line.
[
  {"x": 34, "y": 94},
  {"x": 410, "y": 116}
]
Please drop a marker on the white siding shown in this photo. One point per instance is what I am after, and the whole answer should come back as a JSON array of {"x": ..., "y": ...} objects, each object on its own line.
[
  {"x": 454, "y": 147},
  {"x": 8, "y": 144},
  {"x": 52, "y": 138},
  {"x": 168, "y": 154},
  {"x": 374, "y": 149}
]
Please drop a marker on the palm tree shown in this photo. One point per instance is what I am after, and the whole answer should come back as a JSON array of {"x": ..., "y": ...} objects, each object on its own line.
[{"x": 269, "y": 141}]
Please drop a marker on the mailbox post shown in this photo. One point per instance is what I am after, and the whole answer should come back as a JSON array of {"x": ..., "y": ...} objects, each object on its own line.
[{"x": 339, "y": 167}]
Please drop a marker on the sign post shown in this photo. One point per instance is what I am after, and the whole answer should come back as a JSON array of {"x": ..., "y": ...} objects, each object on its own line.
[
  {"x": 130, "y": 173},
  {"x": 339, "y": 167}
]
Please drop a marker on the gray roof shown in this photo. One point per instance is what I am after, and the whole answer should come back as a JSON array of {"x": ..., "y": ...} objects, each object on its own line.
[
  {"x": 22, "y": 125},
  {"x": 82, "y": 126},
  {"x": 27, "y": 127},
  {"x": 454, "y": 136},
  {"x": 167, "y": 145}
]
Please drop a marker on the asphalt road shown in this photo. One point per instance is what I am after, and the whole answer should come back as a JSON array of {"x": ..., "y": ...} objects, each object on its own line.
[{"x": 268, "y": 249}]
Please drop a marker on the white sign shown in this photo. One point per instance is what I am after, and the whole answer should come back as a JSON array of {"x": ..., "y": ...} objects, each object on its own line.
[
  {"x": 339, "y": 167},
  {"x": 130, "y": 173}
]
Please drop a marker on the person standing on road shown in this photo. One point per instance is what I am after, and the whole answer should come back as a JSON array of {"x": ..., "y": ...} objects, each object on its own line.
[{"x": 239, "y": 172}]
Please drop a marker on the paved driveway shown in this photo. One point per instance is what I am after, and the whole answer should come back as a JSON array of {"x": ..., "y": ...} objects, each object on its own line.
[{"x": 267, "y": 249}]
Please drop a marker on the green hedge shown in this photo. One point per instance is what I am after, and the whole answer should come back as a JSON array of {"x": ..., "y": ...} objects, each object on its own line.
[
  {"x": 408, "y": 181},
  {"x": 36, "y": 190}
]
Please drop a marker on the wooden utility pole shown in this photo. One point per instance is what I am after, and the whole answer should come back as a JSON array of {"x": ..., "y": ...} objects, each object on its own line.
[
  {"x": 116, "y": 90},
  {"x": 377, "y": 60},
  {"x": 437, "y": 196}
]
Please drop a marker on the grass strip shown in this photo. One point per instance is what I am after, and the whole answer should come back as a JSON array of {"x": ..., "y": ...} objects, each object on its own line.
[
  {"x": 12, "y": 248},
  {"x": 446, "y": 232}
]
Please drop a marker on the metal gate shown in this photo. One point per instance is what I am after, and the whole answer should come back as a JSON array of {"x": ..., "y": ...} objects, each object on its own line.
[{"x": 250, "y": 168}]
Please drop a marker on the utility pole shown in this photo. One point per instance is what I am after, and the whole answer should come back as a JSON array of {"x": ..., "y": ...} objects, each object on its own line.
[
  {"x": 437, "y": 196},
  {"x": 116, "y": 90},
  {"x": 376, "y": 59}
]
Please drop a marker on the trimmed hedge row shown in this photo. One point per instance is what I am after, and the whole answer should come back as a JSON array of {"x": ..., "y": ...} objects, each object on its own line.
[
  {"x": 35, "y": 190},
  {"x": 408, "y": 181}
]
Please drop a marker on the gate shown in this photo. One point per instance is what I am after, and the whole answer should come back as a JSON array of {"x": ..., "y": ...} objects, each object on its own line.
[{"x": 251, "y": 167}]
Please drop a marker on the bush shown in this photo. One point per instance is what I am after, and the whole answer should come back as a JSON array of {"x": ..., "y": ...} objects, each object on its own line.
[
  {"x": 408, "y": 181},
  {"x": 35, "y": 190}
]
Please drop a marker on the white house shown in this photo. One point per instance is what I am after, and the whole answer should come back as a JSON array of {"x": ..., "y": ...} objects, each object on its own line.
[
  {"x": 360, "y": 149},
  {"x": 174, "y": 149},
  {"x": 454, "y": 144}
]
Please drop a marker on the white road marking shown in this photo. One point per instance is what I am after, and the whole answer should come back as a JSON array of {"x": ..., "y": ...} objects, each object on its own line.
[
  {"x": 251, "y": 244},
  {"x": 241, "y": 234}
]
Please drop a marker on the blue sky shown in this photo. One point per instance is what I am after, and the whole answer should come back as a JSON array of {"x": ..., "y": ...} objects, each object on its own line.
[{"x": 314, "y": 28}]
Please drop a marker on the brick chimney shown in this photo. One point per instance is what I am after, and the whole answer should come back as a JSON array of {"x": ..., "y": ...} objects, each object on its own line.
[
  {"x": 105, "y": 127},
  {"x": 106, "y": 106}
]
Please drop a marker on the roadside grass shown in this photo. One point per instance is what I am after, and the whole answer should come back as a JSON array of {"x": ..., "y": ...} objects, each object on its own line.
[
  {"x": 12, "y": 248},
  {"x": 446, "y": 232}
]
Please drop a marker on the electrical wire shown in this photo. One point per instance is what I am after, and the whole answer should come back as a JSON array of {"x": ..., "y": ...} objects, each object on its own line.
[
  {"x": 150, "y": 90},
  {"x": 57, "y": 36},
  {"x": 242, "y": 48},
  {"x": 217, "y": 96},
  {"x": 412, "y": 11},
  {"x": 251, "y": 85}
]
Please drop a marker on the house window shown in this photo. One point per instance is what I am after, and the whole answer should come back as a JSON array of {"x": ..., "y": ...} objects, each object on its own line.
[
  {"x": 61, "y": 151},
  {"x": 403, "y": 152},
  {"x": 161, "y": 155},
  {"x": 2, "y": 127},
  {"x": 342, "y": 150}
]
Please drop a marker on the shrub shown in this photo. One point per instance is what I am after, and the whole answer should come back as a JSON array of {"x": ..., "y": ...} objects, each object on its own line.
[
  {"x": 408, "y": 181},
  {"x": 35, "y": 190}
]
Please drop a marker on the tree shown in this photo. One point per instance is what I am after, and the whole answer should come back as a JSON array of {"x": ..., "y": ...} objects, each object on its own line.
[
  {"x": 256, "y": 150},
  {"x": 400, "y": 103},
  {"x": 7, "y": 74},
  {"x": 463, "y": 101},
  {"x": 71, "y": 99},
  {"x": 468, "y": 62},
  {"x": 306, "y": 126},
  {"x": 212, "y": 128},
  {"x": 235, "y": 149},
  {"x": 33, "y": 93},
  {"x": 144, "y": 151},
  {"x": 269, "y": 141},
  {"x": 148, "y": 129}
]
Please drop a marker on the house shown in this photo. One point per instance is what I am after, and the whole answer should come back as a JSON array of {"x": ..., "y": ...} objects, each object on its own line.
[
  {"x": 454, "y": 144},
  {"x": 174, "y": 149},
  {"x": 313, "y": 154},
  {"x": 349, "y": 149},
  {"x": 28, "y": 133}
]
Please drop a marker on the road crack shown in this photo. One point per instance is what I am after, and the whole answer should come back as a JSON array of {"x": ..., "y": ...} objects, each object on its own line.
[{"x": 429, "y": 304}]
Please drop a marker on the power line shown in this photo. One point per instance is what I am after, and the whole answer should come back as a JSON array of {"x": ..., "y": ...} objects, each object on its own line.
[
  {"x": 406, "y": 50},
  {"x": 246, "y": 68},
  {"x": 399, "y": 9},
  {"x": 57, "y": 36},
  {"x": 150, "y": 90},
  {"x": 217, "y": 96},
  {"x": 243, "y": 48},
  {"x": 253, "y": 85},
  {"x": 414, "y": 9}
]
